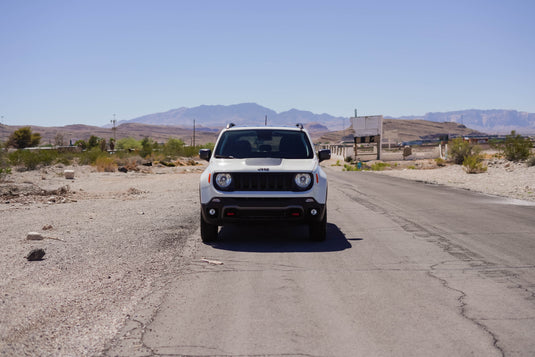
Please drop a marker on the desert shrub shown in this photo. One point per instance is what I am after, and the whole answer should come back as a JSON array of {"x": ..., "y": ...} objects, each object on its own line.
[
  {"x": 473, "y": 164},
  {"x": 174, "y": 148},
  {"x": 32, "y": 159},
  {"x": 379, "y": 166},
  {"x": 350, "y": 168},
  {"x": 440, "y": 162},
  {"x": 459, "y": 150},
  {"x": 516, "y": 147},
  {"x": 90, "y": 157},
  {"x": 531, "y": 161},
  {"x": 348, "y": 159},
  {"x": 105, "y": 164},
  {"x": 4, "y": 165}
]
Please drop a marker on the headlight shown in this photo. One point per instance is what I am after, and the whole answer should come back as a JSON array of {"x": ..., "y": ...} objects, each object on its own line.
[
  {"x": 303, "y": 180},
  {"x": 223, "y": 180}
]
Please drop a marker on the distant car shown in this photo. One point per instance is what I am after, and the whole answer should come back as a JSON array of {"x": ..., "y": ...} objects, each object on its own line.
[{"x": 263, "y": 174}]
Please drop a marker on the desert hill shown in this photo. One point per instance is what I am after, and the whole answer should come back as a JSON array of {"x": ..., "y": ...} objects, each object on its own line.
[
  {"x": 399, "y": 130},
  {"x": 395, "y": 130}
]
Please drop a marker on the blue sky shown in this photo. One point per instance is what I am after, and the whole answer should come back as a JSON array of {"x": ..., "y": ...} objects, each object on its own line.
[{"x": 65, "y": 62}]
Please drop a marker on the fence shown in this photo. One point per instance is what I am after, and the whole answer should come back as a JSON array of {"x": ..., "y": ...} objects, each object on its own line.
[{"x": 340, "y": 152}]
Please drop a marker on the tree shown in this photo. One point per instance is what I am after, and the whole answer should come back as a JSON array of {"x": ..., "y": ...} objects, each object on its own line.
[
  {"x": 93, "y": 142},
  {"x": 23, "y": 138},
  {"x": 59, "y": 139},
  {"x": 147, "y": 146},
  {"x": 130, "y": 144},
  {"x": 174, "y": 147}
]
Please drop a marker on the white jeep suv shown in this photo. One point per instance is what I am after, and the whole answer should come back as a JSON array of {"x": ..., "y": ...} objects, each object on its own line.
[{"x": 263, "y": 174}]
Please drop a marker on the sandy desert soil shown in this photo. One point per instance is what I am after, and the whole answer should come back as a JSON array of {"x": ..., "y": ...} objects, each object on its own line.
[
  {"x": 503, "y": 178},
  {"x": 112, "y": 240}
]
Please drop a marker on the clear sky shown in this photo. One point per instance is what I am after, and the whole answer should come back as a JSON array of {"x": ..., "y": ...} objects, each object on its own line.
[{"x": 70, "y": 61}]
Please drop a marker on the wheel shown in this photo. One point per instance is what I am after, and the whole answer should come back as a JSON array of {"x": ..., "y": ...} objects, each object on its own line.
[
  {"x": 208, "y": 231},
  {"x": 318, "y": 230}
]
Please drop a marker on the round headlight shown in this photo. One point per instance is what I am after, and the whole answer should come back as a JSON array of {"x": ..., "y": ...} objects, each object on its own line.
[
  {"x": 223, "y": 180},
  {"x": 302, "y": 180}
]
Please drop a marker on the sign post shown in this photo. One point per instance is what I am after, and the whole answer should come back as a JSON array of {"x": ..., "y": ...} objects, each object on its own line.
[{"x": 368, "y": 129}]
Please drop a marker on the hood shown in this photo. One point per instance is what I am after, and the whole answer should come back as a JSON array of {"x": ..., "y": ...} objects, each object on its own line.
[{"x": 272, "y": 164}]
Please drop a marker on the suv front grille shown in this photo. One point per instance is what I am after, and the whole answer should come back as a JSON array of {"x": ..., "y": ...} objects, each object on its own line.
[{"x": 263, "y": 181}]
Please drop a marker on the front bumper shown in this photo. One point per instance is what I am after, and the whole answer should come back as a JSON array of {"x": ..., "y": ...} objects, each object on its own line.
[{"x": 222, "y": 210}]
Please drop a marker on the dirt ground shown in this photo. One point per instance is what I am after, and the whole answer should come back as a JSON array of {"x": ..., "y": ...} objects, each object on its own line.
[{"x": 111, "y": 241}]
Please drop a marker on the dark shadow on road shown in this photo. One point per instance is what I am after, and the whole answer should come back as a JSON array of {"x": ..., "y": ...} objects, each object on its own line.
[{"x": 279, "y": 237}]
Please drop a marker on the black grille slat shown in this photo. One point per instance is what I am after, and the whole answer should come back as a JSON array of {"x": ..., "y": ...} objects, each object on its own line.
[{"x": 263, "y": 181}]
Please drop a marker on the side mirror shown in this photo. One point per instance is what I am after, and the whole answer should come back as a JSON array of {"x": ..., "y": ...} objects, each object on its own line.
[
  {"x": 324, "y": 154},
  {"x": 205, "y": 154}
]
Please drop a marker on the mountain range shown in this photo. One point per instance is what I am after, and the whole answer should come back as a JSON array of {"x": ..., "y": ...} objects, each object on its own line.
[
  {"x": 246, "y": 114},
  {"x": 214, "y": 117}
]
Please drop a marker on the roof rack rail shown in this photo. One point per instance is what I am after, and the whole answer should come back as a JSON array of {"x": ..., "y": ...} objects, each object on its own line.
[
  {"x": 230, "y": 125},
  {"x": 299, "y": 125}
]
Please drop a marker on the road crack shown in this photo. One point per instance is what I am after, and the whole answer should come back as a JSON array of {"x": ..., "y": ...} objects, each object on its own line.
[{"x": 462, "y": 304}]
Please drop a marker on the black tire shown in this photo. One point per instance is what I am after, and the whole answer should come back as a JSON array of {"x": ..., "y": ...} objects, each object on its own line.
[
  {"x": 208, "y": 231},
  {"x": 318, "y": 230}
]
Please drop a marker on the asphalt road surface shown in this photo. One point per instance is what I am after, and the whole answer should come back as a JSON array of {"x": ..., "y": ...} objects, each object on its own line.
[{"x": 408, "y": 269}]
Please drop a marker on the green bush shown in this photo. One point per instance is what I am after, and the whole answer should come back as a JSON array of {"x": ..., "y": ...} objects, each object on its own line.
[
  {"x": 31, "y": 159},
  {"x": 473, "y": 164},
  {"x": 379, "y": 166},
  {"x": 90, "y": 157},
  {"x": 130, "y": 144},
  {"x": 459, "y": 150},
  {"x": 174, "y": 148},
  {"x": 516, "y": 147},
  {"x": 440, "y": 162},
  {"x": 4, "y": 164}
]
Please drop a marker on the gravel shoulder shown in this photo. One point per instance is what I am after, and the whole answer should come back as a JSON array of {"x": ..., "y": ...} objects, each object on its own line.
[
  {"x": 111, "y": 240},
  {"x": 503, "y": 178}
]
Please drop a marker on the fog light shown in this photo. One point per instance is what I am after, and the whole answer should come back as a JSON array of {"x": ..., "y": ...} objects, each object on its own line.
[
  {"x": 211, "y": 212},
  {"x": 313, "y": 211}
]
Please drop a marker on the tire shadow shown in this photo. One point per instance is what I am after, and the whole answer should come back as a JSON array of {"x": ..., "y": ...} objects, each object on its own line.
[{"x": 276, "y": 238}]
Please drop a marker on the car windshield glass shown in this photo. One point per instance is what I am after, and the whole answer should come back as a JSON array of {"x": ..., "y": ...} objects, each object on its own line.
[{"x": 286, "y": 144}]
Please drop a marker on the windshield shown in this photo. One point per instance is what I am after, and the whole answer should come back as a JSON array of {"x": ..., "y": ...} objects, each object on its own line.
[{"x": 286, "y": 144}]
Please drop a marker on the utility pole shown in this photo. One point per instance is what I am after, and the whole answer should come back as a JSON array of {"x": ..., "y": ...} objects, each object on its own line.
[
  {"x": 193, "y": 132},
  {"x": 114, "y": 130},
  {"x": 265, "y": 121}
]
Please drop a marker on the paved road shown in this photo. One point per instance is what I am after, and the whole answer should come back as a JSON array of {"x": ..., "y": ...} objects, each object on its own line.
[{"x": 408, "y": 269}]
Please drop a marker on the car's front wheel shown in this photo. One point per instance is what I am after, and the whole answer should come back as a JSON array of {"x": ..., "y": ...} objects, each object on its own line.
[
  {"x": 208, "y": 231},
  {"x": 318, "y": 230}
]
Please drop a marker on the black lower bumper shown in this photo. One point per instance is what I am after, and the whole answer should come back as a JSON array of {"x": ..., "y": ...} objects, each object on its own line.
[{"x": 222, "y": 210}]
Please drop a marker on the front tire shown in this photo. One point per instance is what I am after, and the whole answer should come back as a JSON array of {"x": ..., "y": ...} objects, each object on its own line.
[
  {"x": 208, "y": 231},
  {"x": 318, "y": 230}
]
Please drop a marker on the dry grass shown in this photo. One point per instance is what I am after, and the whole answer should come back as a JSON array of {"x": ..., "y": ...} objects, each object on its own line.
[{"x": 105, "y": 164}]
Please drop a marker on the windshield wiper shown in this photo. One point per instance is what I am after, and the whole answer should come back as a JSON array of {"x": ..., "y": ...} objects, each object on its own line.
[{"x": 224, "y": 157}]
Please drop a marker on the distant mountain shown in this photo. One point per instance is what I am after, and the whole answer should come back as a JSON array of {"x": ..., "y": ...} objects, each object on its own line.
[
  {"x": 217, "y": 116},
  {"x": 210, "y": 117},
  {"x": 489, "y": 121}
]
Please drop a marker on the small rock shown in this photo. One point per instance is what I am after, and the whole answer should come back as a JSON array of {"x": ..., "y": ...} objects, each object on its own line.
[
  {"x": 122, "y": 169},
  {"x": 34, "y": 236},
  {"x": 36, "y": 254},
  {"x": 69, "y": 174},
  {"x": 47, "y": 227}
]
